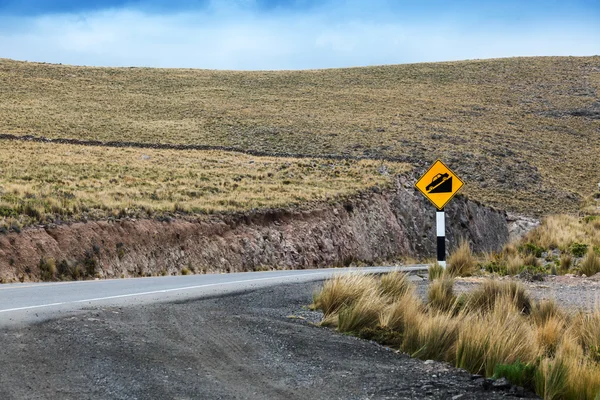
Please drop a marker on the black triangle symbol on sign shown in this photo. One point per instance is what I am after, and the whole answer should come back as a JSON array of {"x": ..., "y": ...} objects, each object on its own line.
[{"x": 444, "y": 187}]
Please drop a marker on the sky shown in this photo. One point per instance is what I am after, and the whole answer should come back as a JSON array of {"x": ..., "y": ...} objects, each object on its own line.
[{"x": 292, "y": 34}]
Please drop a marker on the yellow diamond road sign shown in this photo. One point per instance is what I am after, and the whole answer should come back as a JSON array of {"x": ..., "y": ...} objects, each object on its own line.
[{"x": 439, "y": 184}]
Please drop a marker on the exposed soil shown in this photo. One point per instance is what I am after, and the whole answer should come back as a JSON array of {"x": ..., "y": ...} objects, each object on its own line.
[{"x": 244, "y": 346}]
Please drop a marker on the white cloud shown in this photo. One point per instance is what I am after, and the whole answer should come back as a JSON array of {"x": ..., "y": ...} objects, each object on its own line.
[{"x": 230, "y": 38}]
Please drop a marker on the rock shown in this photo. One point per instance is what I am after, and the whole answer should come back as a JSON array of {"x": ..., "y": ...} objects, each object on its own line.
[
  {"x": 501, "y": 384},
  {"x": 476, "y": 376},
  {"x": 429, "y": 362},
  {"x": 487, "y": 383},
  {"x": 458, "y": 396}
]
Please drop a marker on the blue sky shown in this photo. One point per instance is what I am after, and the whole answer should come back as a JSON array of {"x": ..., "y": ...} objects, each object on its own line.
[{"x": 292, "y": 34}]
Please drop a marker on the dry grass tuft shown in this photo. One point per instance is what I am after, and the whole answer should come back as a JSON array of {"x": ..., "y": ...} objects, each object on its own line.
[
  {"x": 435, "y": 271},
  {"x": 343, "y": 291},
  {"x": 514, "y": 263},
  {"x": 566, "y": 261},
  {"x": 531, "y": 260},
  {"x": 561, "y": 231},
  {"x": 395, "y": 284},
  {"x": 403, "y": 312},
  {"x": 461, "y": 262},
  {"x": 544, "y": 310},
  {"x": 432, "y": 336},
  {"x": 497, "y": 337},
  {"x": 590, "y": 265},
  {"x": 441, "y": 294},
  {"x": 549, "y": 333},
  {"x": 363, "y": 313},
  {"x": 485, "y": 296}
]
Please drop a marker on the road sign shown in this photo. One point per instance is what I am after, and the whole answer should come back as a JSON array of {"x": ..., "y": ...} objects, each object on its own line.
[{"x": 439, "y": 184}]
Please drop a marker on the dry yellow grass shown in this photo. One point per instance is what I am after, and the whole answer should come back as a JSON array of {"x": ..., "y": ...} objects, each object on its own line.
[
  {"x": 461, "y": 261},
  {"x": 543, "y": 347},
  {"x": 43, "y": 182},
  {"x": 395, "y": 284},
  {"x": 404, "y": 311},
  {"x": 343, "y": 291},
  {"x": 560, "y": 231},
  {"x": 440, "y": 294},
  {"x": 590, "y": 265},
  {"x": 522, "y": 132}
]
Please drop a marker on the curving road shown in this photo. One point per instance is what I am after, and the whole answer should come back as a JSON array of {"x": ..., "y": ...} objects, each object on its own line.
[{"x": 26, "y": 303}]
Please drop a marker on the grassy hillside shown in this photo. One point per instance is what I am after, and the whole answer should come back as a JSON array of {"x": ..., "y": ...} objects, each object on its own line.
[
  {"x": 43, "y": 183},
  {"x": 523, "y": 132}
]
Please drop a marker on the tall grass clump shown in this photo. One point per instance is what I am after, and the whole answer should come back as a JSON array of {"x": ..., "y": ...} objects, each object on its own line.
[
  {"x": 363, "y": 313},
  {"x": 498, "y": 337},
  {"x": 514, "y": 264},
  {"x": 432, "y": 336},
  {"x": 511, "y": 339},
  {"x": 403, "y": 312},
  {"x": 461, "y": 262},
  {"x": 566, "y": 261},
  {"x": 342, "y": 291},
  {"x": 590, "y": 265},
  {"x": 485, "y": 296},
  {"x": 440, "y": 294},
  {"x": 435, "y": 271},
  {"x": 544, "y": 310},
  {"x": 395, "y": 284}
]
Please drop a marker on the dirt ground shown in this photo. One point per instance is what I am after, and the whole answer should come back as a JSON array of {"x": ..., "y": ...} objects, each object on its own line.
[{"x": 257, "y": 345}]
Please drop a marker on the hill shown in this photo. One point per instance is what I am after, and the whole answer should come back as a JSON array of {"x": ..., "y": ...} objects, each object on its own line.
[{"x": 523, "y": 132}]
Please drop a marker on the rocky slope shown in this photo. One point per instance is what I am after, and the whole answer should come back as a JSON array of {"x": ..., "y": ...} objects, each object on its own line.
[{"x": 370, "y": 228}]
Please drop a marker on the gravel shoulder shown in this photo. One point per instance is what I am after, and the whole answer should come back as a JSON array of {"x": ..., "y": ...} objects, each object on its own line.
[
  {"x": 571, "y": 292},
  {"x": 256, "y": 345}
]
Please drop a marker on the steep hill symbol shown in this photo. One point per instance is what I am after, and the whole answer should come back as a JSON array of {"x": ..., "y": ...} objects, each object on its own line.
[{"x": 441, "y": 183}]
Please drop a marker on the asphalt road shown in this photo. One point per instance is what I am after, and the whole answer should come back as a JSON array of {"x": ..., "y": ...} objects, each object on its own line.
[
  {"x": 261, "y": 343},
  {"x": 26, "y": 303}
]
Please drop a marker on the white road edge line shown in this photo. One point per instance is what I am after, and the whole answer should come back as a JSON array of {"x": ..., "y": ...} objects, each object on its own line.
[{"x": 120, "y": 296}]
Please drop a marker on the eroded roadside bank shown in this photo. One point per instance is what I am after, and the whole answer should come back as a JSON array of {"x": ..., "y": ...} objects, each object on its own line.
[{"x": 372, "y": 227}]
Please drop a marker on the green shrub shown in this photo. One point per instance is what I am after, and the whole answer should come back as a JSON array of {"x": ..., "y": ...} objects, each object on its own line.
[
  {"x": 496, "y": 267},
  {"x": 517, "y": 373},
  {"x": 578, "y": 249},
  {"x": 531, "y": 249}
]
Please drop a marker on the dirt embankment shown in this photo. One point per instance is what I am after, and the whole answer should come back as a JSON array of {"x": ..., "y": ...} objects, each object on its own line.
[{"x": 372, "y": 227}]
